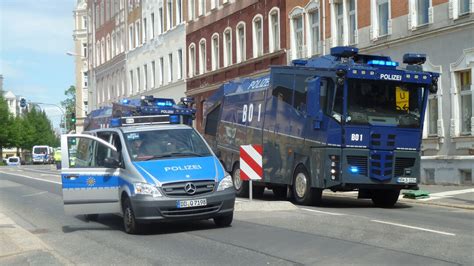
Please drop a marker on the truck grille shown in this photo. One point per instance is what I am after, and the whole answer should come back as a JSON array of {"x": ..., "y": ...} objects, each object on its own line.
[
  {"x": 358, "y": 161},
  {"x": 191, "y": 211},
  {"x": 177, "y": 189},
  {"x": 379, "y": 141},
  {"x": 381, "y": 165},
  {"x": 402, "y": 163}
]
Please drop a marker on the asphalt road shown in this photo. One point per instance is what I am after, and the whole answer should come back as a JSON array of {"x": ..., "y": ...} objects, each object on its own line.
[{"x": 342, "y": 231}]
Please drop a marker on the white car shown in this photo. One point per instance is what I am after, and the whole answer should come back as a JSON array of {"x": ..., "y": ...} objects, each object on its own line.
[{"x": 13, "y": 161}]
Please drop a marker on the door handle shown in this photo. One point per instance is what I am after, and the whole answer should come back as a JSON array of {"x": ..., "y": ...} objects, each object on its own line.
[{"x": 72, "y": 177}]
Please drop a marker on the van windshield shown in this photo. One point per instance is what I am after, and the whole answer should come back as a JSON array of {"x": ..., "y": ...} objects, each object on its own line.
[
  {"x": 40, "y": 150},
  {"x": 165, "y": 144}
]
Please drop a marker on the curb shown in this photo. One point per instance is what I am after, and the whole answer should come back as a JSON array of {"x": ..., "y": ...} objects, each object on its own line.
[
  {"x": 16, "y": 241},
  {"x": 405, "y": 200}
]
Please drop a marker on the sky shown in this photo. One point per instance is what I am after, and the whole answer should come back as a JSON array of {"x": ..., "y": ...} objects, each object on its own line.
[{"x": 34, "y": 38}]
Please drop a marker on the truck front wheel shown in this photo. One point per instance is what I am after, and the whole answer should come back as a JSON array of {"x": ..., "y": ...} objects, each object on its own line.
[
  {"x": 241, "y": 187},
  {"x": 385, "y": 198},
  {"x": 302, "y": 191}
]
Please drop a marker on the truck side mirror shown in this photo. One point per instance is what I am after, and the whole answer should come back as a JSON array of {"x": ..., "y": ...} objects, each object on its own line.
[{"x": 314, "y": 105}]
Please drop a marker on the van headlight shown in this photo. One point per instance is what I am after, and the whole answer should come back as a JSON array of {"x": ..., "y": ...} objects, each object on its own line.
[
  {"x": 147, "y": 189},
  {"x": 225, "y": 183}
]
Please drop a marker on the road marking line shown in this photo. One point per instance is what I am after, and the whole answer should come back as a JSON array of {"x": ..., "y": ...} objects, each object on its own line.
[
  {"x": 35, "y": 194},
  {"x": 416, "y": 228},
  {"x": 34, "y": 178},
  {"x": 323, "y": 212}
]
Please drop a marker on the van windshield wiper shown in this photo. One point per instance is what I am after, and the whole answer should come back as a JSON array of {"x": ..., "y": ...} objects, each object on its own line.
[
  {"x": 173, "y": 154},
  {"x": 187, "y": 154}
]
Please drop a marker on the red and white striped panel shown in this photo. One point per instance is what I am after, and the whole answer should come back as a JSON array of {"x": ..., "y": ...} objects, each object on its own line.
[{"x": 251, "y": 162}]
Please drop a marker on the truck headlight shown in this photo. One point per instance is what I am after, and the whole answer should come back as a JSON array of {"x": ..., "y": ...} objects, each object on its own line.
[
  {"x": 225, "y": 183},
  {"x": 147, "y": 189}
]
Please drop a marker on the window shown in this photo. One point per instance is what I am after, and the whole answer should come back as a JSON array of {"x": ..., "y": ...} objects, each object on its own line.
[
  {"x": 162, "y": 70},
  {"x": 107, "y": 10},
  {"x": 192, "y": 60},
  {"x": 130, "y": 37},
  {"x": 161, "y": 26},
  {"x": 212, "y": 120},
  {"x": 169, "y": 13},
  {"x": 137, "y": 34},
  {"x": 145, "y": 32},
  {"x": 85, "y": 79},
  {"x": 433, "y": 116},
  {"x": 352, "y": 22},
  {"x": 102, "y": 51},
  {"x": 464, "y": 88},
  {"x": 257, "y": 36},
  {"x": 152, "y": 25},
  {"x": 180, "y": 64},
  {"x": 464, "y": 7},
  {"x": 192, "y": 9},
  {"x": 123, "y": 38},
  {"x": 202, "y": 57},
  {"x": 240, "y": 32},
  {"x": 274, "y": 30},
  {"x": 107, "y": 48},
  {"x": 214, "y": 4},
  {"x": 153, "y": 74},
  {"x": 138, "y": 79},
  {"x": 84, "y": 49},
  {"x": 112, "y": 53},
  {"x": 314, "y": 32},
  {"x": 202, "y": 7},
  {"x": 179, "y": 11},
  {"x": 339, "y": 24},
  {"x": 145, "y": 78},
  {"x": 383, "y": 16},
  {"x": 170, "y": 67},
  {"x": 298, "y": 36},
  {"x": 422, "y": 11},
  {"x": 130, "y": 91},
  {"x": 84, "y": 22},
  {"x": 227, "y": 47},
  {"x": 282, "y": 88},
  {"x": 215, "y": 51}
]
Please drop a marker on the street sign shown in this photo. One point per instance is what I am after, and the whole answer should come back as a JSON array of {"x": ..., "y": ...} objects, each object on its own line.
[{"x": 251, "y": 162}]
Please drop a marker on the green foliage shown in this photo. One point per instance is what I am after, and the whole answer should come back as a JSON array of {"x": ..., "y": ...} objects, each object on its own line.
[
  {"x": 33, "y": 128},
  {"x": 70, "y": 106}
]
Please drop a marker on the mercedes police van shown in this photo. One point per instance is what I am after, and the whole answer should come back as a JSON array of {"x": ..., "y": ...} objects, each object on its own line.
[{"x": 147, "y": 164}]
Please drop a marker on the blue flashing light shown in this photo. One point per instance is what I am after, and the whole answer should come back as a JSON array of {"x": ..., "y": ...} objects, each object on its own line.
[
  {"x": 125, "y": 101},
  {"x": 299, "y": 62},
  {"x": 382, "y": 63},
  {"x": 115, "y": 122},
  {"x": 165, "y": 103},
  {"x": 344, "y": 51},
  {"x": 174, "y": 119},
  {"x": 354, "y": 169}
]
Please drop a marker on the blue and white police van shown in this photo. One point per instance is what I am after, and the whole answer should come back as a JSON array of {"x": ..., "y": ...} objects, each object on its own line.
[{"x": 148, "y": 164}]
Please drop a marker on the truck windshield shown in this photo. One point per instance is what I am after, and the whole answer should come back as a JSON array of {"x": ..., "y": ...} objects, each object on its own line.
[
  {"x": 165, "y": 144},
  {"x": 384, "y": 103},
  {"x": 40, "y": 150}
]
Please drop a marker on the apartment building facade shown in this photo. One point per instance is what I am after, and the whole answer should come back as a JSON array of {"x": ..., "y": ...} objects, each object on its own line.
[
  {"x": 156, "y": 59},
  {"x": 80, "y": 62},
  {"x": 227, "y": 39}
]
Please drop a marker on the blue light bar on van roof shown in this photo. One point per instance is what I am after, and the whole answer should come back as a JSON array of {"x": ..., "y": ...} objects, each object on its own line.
[
  {"x": 382, "y": 63},
  {"x": 164, "y": 103},
  {"x": 344, "y": 51},
  {"x": 125, "y": 101}
]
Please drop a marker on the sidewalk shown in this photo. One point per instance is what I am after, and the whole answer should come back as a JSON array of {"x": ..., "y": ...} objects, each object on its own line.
[{"x": 21, "y": 247}]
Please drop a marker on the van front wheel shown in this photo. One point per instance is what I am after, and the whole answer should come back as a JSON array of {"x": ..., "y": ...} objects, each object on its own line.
[{"x": 130, "y": 224}]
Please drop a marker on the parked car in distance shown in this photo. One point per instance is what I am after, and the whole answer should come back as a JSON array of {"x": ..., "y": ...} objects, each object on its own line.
[{"x": 13, "y": 161}]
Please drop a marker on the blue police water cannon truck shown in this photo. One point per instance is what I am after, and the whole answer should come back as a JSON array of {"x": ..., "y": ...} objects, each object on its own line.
[{"x": 344, "y": 121}]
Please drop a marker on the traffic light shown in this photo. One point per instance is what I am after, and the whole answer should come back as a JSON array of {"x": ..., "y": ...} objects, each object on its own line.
[
  {"x": 22, "y": 102},
  {"x": 73, "y": 118}
]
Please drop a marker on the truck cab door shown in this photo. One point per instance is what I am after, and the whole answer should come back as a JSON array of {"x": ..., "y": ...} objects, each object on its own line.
[{"x": 90, "y": 175}]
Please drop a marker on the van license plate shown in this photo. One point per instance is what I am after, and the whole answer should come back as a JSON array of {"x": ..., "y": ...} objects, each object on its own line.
[{"x": 191, "y": 203}]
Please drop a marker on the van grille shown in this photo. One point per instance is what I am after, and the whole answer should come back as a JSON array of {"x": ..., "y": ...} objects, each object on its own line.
[
  {"x": 358, "y": 161},
  {"x": 402, "y": 163},
  {"x": 177, "y": 189},
  {"x": 191, "y": 211}
]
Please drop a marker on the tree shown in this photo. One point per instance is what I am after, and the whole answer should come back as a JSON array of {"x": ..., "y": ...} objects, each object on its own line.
[
  {"x": 70, "y": 106},
  {"x": 4, "y": 124}
]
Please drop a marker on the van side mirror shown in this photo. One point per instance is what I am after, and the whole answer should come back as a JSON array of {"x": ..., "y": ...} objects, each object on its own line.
[
  {"x": 110, "y": 162},
  {"x": 314, "y": 105}
]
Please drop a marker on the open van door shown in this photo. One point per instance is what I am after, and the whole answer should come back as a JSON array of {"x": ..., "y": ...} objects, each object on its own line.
[{"x": 90, "y": 175}]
